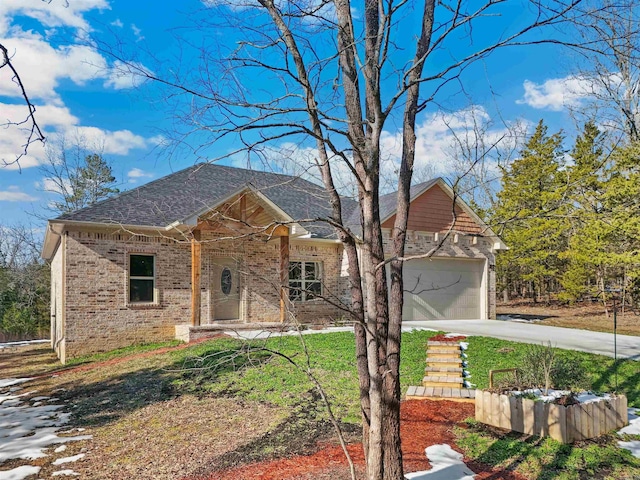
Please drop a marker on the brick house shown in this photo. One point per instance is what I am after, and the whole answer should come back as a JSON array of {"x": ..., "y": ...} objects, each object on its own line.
[{"x": 213, "y": 244}]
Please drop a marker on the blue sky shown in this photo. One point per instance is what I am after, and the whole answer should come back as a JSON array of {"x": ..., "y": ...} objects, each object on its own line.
[{"x": 79, "y": 93}]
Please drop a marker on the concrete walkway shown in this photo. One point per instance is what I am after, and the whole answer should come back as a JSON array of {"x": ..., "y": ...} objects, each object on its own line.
[{"x": 568, "y": 338}]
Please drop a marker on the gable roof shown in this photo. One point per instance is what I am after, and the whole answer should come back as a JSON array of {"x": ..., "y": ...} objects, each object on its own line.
[
  {"x": 388, "y": 206},
  {"x": 177, "y": 197}
]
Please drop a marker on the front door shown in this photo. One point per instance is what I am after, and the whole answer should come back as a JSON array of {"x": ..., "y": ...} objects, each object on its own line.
[{"x": 225, "y": 289}]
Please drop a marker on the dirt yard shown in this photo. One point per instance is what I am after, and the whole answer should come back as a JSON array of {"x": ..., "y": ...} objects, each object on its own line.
[{"x": 587, "y": 316}]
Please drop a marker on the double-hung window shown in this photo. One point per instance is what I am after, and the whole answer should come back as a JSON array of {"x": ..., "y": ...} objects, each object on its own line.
[
  {"x": 305, "y": 281},
  {"x": 142, "y": 278}
]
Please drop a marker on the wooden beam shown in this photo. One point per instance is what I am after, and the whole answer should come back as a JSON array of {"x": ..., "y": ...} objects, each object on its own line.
[
  {"x": 255, "y": 213},
  {"x": 196, "y": 262},
  {"x": 280, "y": 231},
  {"x": 284, "y": 277},
  {"x": 243, "y": 208}
]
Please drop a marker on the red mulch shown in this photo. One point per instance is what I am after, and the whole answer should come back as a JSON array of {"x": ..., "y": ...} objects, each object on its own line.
[
  {"x": 423, "y": 423},
  {"x": 118, "y": 360},
  {"x": 442, "y": 338}
]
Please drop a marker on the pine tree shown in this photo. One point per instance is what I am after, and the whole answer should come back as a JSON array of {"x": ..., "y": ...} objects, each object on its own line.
[
  {"x": 92, "y": 182},
  {"x": 531, "y": 212}
]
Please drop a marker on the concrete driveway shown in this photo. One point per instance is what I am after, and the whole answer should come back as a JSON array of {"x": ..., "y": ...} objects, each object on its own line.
[{"x": 568, "y": 338}]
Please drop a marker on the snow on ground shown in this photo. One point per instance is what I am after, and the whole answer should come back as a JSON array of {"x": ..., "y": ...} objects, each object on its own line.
[
  {"x": 552, "y": 395},
  {"x": 633, "y": 446},
  {"x": 65, "y": 473},
  {"x": 634, "y": 423},
  {"x": 446, "y": 464},
  {"x": 507, "y": 318},
  {"x": 21, "y": 344},
  {"x": 74, "y": 458},
  {"x": 26, "y": 430},
  {"x": 7, "y": 382},
  {"x": 632, "y": 429},
  {"x": 19, "y": 473}
]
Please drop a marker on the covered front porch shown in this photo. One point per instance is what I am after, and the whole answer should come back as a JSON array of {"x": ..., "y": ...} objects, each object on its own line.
[{"x": 240, "y": 254}]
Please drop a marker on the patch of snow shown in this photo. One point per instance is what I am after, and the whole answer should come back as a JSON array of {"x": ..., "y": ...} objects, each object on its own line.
[
  {"x": 60, "y": 449},
  {"x": 65, "y": 472},
  {"x": 634, "y": 423},
  {"x": 590, "y": 397},
  {"x": 19, "y": 473},
  {"x": 40, "y": 398},
  {"x": 552, "y": 395},
  {"x": 23, "y": 343},
  {"x": 26, "y": 430},
  {"x": 466, "y": 384},
  {"x": 451, "y": 335},
  {"x": 464, "y": 345},
  {"x": 633, "y": 446},
  {"x": 446, "y": 464},
  {"x": 508, "y": 318},
  {"x": 7, "y": 382},
  {"x": 74, "y": 458}
]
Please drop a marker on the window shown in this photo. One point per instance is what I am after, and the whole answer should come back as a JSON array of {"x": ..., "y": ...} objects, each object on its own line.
[
  {"x": 142, "y": 278},
  {"x": 304, "y": 280}
]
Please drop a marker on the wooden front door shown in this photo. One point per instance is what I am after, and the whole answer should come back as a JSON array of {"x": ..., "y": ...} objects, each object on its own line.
[{"x": 225, "y": 289}]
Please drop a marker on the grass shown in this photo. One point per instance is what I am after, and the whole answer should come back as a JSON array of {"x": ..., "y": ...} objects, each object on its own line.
[
  {"x": 488, "y": 353},
  {"x": 545, "y": 458},
  {"x": 120, "y": 352},
  {"x": 108, "y": 399}
]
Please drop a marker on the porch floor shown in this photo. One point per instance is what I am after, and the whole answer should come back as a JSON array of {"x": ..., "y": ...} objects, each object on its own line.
[{"x": 191, "y": 333}]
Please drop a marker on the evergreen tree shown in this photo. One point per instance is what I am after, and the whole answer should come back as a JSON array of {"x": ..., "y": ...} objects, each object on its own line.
[
  {"x": 531, "y": 214},
  {"x": 588, "y": 249}
]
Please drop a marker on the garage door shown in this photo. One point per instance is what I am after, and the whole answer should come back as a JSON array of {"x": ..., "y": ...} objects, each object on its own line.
[{"x": 439, "y": 289}]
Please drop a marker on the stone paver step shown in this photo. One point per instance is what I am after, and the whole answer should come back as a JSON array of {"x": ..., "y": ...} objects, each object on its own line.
[{"x": 460, "y": 394}]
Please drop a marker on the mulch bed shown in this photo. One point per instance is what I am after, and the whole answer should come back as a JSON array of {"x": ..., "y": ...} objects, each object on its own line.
[
  {"x": 441, "y": 337},
  {"x": 424, "y": 423}
]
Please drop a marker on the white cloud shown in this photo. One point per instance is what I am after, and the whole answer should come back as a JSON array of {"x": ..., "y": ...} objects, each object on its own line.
[
  {"x": 56, "y": 13},
  {"x": 119, "y": 142},
  {"x": 117, "y": 23},
  {"x": 122, "y": 75},
  {"x": 137, "y": 32},
  {"x": 41, "y": 67},
  {"x": 136, "y": 174},
  {"x": 59, "y": 120},
  {"x": 556, "y": 93},
  {"x": 14, "y": 194}
]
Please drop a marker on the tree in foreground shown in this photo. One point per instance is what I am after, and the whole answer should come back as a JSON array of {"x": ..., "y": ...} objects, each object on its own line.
[{"x": 335, "y": 77}]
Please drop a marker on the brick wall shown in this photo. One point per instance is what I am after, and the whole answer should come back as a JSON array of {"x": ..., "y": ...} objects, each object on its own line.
[
  {"x": 98, "y": 315},
  {"x": 100, "y": 318}
]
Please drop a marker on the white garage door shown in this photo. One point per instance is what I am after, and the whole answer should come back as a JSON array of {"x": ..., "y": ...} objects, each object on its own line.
[{"x": 439, "y": 289}]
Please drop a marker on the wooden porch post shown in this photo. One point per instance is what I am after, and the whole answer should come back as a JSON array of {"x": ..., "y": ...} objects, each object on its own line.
[
  {"x": 195, "y": 281},
  {"x": 284, "y": 275}
]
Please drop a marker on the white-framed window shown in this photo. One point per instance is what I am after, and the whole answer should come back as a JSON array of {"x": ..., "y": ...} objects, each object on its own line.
[
  {"x": 305, "y": 280},
  {"x": 142, "y": 278}
]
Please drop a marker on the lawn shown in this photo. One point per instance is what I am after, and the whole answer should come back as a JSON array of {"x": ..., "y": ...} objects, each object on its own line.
[{"x": 189, "y": 411}]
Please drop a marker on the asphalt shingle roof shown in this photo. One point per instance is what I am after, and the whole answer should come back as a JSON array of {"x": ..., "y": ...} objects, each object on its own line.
[{"x": 180, "y": 195}]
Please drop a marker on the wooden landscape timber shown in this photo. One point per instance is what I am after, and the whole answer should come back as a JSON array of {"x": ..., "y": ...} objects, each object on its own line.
[{"x": 566, "y": 424}]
